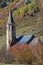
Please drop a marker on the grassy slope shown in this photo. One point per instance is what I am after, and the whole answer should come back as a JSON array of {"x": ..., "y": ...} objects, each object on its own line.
[
  {"x": 30, "y": 25},
  {"x": 11, "y": 64},
  {"x": 41, "y": 38},
  {"x": 2, "y": 41}
]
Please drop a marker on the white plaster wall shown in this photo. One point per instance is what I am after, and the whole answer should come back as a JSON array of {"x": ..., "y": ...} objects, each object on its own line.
[{"x": 7, "y": 38}]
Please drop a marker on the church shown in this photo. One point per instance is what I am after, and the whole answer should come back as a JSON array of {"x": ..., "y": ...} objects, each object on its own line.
[{"x": 11, "y": 38}]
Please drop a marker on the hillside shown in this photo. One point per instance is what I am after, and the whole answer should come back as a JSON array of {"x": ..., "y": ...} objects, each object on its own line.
[
  {"x": 25, "y": 24},
  {"x": 30, "y": 25},
  {"x": 4, "y": 11}
]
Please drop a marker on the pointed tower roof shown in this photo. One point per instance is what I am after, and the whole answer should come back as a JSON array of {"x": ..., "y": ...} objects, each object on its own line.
[{"x": 10, "y": 18}]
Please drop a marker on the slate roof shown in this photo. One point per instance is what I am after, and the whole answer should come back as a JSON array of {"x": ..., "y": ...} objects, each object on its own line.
[{"x": 25, "y": 39}]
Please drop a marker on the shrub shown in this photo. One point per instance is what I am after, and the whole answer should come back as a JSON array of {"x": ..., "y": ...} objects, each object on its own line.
[
  {"x": 16, "y": 13},
  {"x": 25, "y": 9},
  {"x": 21, "y": 10},
  {"x": 3, "y": 5}
]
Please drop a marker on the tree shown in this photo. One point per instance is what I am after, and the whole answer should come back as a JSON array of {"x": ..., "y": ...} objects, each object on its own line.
[{"x": 27, "y": 1}]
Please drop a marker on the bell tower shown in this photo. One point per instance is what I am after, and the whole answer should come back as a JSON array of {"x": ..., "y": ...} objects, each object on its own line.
[{"x": 10, "y": 32}]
